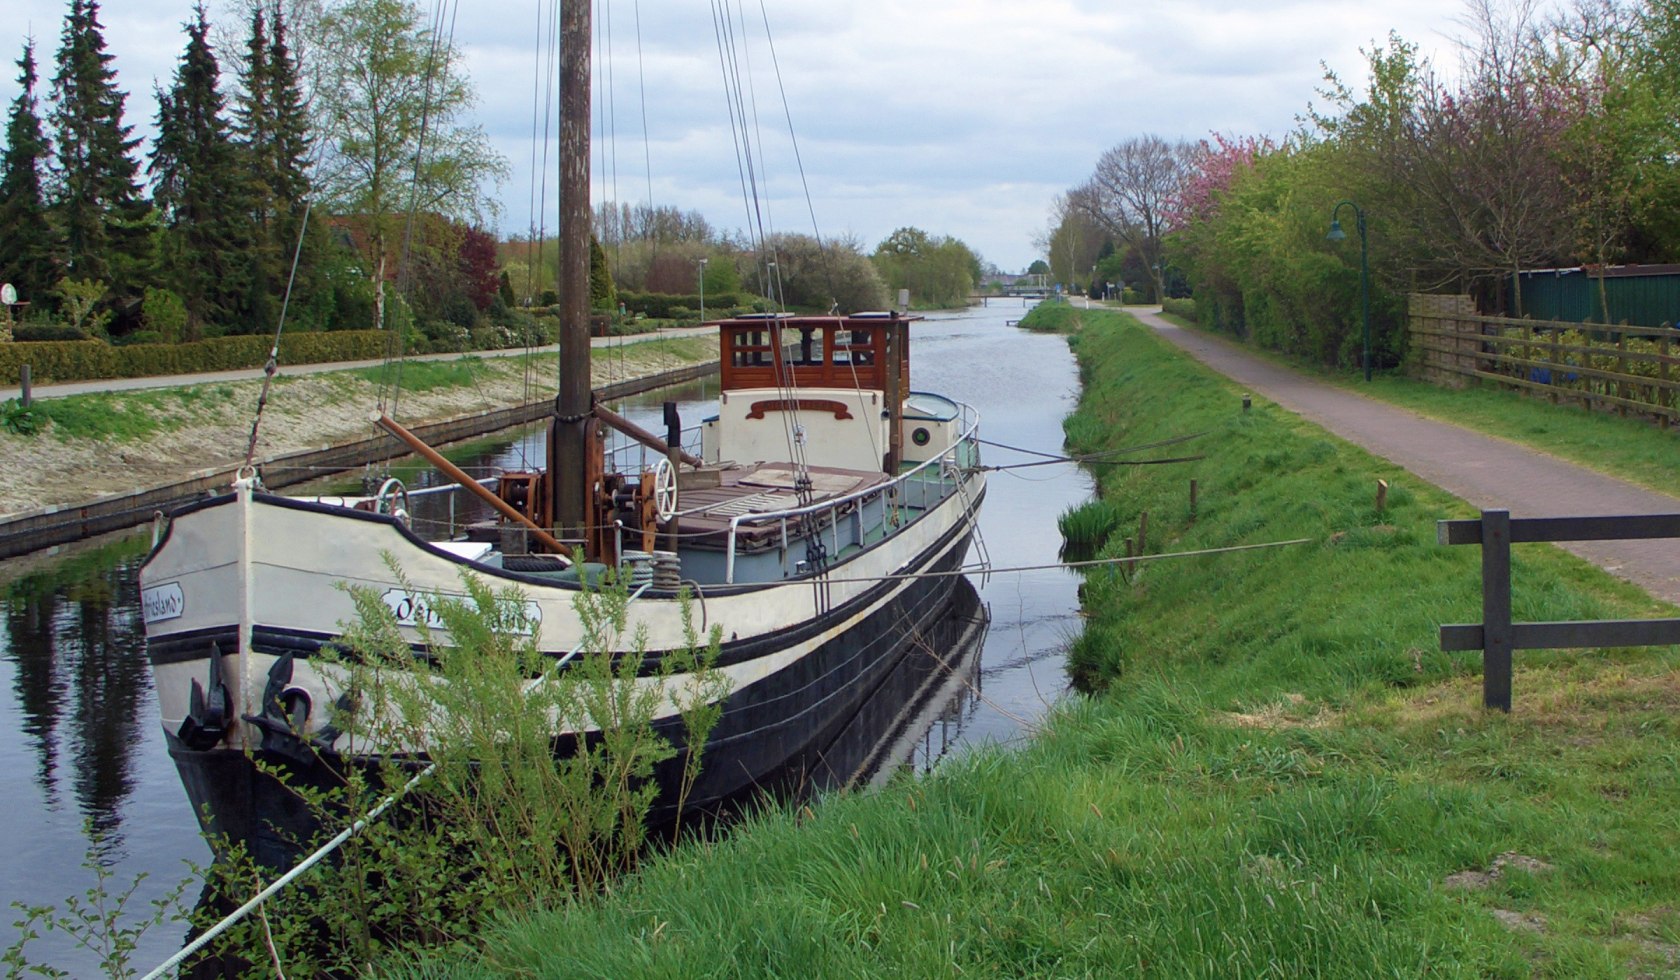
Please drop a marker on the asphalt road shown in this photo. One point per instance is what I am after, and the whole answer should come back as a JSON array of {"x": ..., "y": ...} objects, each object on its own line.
[{"x": 1484, "y": 470}]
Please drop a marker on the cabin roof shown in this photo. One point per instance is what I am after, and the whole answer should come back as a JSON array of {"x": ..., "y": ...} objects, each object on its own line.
[{"x": 785, "y": 350}]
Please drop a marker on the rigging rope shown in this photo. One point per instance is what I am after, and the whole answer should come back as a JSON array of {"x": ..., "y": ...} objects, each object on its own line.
[
  {"x": 273, "y": 364},
  {"x": 799, "y": 160}
]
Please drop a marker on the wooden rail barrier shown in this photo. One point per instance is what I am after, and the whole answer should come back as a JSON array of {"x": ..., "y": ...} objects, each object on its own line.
[
  {"x": 1496, "y": 636},
  {"x": 1636, "y": 371}
]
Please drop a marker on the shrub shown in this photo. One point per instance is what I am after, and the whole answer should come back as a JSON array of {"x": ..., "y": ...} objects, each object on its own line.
[
  {"x": 45, "y": 330},
  {"x": 76, "y": 301},
  {"x": 18, "y": 420},
  {"x": 665, "y": 306},
  {"x": 165, "y": 315},
  {"x": 1179, "y": 307},
  {"x": 83, "y": 360}
]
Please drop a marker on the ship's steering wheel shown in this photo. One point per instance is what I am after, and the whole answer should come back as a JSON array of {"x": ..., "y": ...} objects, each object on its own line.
[
  {"x": 392, "y": 499},
  {"x": 665, "y": 489}
]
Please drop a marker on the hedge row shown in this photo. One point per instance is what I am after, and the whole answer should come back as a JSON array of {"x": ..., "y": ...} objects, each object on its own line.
[
  {"x": 1180, "y": 307},
  {"x": 661, "y": 305},
  {"x": 88, "y": 360}
]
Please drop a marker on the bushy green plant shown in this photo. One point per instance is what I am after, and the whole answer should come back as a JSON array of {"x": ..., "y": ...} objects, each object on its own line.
[
  {"x": 165, "y": 315},
  {"x": 41, "y": 330},
  {"x": 1086, "y": 527},
  {"x": 99, "y": 920},
  {"x": 500, "y": 825},
  {"x": 90, "y": 359},
  {"x": 77, "y": 302},
  {"x": 1052, "y": 316},
  {"x": 21, "y": 421}
]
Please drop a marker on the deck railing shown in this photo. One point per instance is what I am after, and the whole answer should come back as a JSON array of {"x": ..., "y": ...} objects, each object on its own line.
[{"x": 949, "y": 468}]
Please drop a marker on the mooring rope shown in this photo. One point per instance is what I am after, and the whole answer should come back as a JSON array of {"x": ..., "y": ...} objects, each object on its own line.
[
  {"x": 1088, "y": 462},
  {"x": 1089, "y": 457},
  {"x": 1092, "y": 563}
]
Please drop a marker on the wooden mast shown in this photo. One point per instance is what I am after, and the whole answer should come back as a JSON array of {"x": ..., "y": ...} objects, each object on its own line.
[{"x": 567, "y": 474}]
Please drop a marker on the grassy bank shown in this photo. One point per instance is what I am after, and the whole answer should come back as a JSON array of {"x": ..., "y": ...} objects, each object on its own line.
[
  {"x": 1279, "y": 773},
  {"x": 1631, "y": 449}
]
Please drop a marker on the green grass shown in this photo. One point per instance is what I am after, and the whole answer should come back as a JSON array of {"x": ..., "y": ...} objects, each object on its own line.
[
  {"x": 1277, "y": 776},
  {"x": 130, "y": 416},
  {"x": 418, "y": 376},
  {"x": 1633, "y": 449},
  {"x": 1054, "y": 316}
]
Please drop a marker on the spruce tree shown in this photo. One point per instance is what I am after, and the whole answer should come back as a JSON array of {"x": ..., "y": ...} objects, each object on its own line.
[
  {"x": 274, "y": 133},
  {"x": 96, "y": 198},
  {"x": 26, "y": 241},
  {"x": 196, "y": 169}
]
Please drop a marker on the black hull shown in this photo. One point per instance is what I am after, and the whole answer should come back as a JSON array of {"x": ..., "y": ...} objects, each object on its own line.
[{"x": 774, "y": 733}]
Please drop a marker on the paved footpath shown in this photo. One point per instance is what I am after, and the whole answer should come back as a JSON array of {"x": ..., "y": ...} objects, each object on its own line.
[
  {"x": 255, "y": 374},
  {"x": 1487, "y": 471}
]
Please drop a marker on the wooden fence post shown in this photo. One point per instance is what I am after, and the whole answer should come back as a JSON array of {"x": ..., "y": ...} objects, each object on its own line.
[
  {"x": 1496, "y": 609},
  {"x": 1665, "y": 394}
]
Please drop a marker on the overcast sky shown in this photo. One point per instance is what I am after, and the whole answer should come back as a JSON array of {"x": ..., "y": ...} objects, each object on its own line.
[{"x": 961, "y": 117}]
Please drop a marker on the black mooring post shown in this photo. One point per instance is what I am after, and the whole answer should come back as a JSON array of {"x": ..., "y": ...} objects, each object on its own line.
[
  {"x": 673, "y": 425},
  {"x": 1496, "y": 609}
]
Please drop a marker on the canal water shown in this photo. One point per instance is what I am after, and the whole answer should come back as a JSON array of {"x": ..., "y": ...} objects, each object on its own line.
[{"x": 83, "y": 769}]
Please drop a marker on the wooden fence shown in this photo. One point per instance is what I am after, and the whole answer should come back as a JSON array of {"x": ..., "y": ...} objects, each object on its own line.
[
  {"x": 1496, "y": 636},
  {"x": 1622, "y": 368}
]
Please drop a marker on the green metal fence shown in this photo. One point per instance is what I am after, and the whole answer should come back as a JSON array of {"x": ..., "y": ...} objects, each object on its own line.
[{"x": 1640, "y": 295}]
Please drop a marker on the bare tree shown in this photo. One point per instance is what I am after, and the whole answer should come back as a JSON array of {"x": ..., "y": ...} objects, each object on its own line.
[
  {"x": 1071, "y": 241},
  {"x": 1485, "y": 158},
  {"x": 1131, "y": 192}
]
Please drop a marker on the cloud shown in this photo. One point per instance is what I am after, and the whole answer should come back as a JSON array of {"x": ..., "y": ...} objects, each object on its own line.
[{"x": 962, "y": 117}]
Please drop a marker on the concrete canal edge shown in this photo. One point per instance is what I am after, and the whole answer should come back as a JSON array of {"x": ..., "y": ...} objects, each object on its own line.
[{"x": 64, "y": 523}]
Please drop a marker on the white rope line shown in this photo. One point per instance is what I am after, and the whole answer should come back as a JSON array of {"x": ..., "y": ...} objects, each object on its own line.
[
  {"x": 344, "y": 835},
  {"x": 1094, "y": 563}
]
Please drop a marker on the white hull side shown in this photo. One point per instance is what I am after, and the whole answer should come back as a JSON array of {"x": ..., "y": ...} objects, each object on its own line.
[{"x": 257, "y": 567}]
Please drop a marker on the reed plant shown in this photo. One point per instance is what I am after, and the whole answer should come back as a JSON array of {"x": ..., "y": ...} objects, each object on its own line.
[{"x": 1086, "y": 528}]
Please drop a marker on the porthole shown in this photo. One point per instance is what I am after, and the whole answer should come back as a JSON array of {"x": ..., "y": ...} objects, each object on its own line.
[{"x": 920, "y": 436}]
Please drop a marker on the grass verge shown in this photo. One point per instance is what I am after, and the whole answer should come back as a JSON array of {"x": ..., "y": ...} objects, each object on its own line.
[
  {"x": 1632, "y": 449},
  {"x": 1279, "y": 773}
]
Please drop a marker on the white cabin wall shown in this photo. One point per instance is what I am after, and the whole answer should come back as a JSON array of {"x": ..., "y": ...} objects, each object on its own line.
[{"x": 858, "y": 442}]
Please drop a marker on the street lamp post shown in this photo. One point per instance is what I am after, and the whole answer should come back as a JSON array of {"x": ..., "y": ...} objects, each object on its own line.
[
  {"x": 1336, "y": 235},
  {"x": 703, "y": 289}
]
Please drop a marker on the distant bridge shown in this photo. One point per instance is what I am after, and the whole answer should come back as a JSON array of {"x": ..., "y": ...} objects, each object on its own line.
[{"x": 1026, "y": 297}]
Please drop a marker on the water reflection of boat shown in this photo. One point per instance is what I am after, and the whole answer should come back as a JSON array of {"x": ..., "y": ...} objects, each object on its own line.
[
  {"x": 908, "y": 722},
  {"x": 906, "y": 725}
]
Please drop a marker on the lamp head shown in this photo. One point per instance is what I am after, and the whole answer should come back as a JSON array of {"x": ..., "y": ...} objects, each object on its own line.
[{"x": 1336, "y": 232}]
